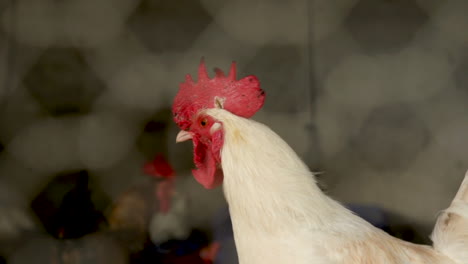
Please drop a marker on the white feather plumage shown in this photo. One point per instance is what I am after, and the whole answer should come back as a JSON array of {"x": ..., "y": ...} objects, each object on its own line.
[{"x": 279, "y": 214}]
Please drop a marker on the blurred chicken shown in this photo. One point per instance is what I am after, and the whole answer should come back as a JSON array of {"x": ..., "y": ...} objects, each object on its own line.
[
  {"x": 159, "y": 207},
  {"x": 16, "y": 218},
  {"x": 278, "y": 212},
  {"x": 135, "y": 210}
]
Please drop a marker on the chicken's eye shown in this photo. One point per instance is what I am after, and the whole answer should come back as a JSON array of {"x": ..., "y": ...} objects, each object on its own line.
[{"x": 203, "y": 122}]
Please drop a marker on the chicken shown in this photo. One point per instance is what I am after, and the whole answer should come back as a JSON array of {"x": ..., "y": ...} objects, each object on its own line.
[
  {"x": 161, "y": 169},
  {"x": 160, "y": 208},
  {"x": 151, "y": 205},
  {"x": 279, "y": 214},
  {"x": 176, "y": 216}
]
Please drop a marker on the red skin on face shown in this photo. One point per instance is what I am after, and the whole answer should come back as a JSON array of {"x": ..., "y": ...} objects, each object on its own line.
[
  {"x": 242, "y": 97},
  {"x": 207, "y": 152}
]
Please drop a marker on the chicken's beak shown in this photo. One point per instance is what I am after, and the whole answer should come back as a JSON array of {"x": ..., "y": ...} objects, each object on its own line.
[{"x": 183, "y": 136}]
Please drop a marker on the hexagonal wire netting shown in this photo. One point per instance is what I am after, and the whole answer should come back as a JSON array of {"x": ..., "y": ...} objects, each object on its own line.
[{"x": 373, "y": 94}]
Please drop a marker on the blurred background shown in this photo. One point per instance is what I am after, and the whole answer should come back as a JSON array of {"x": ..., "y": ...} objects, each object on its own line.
[{"x": 373, "y": 94}]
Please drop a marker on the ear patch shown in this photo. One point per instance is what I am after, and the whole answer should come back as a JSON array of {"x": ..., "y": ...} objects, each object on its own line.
[{"x": 215, "y": 127}]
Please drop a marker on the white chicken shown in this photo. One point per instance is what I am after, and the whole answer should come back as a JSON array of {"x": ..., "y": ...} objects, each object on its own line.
[{"x": 278, "y": 212}]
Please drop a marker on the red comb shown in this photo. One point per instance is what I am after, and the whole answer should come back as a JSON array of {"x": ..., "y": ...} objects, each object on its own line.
[
  {"x": 242, "y": 97},
  {"x": 159, "y": 167}
]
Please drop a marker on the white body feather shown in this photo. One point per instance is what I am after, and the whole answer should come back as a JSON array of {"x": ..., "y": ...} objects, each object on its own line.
[{"x": 279, "y": 215}]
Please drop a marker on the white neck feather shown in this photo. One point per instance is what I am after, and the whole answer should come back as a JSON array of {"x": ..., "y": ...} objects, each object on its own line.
[{"x": 264, "y": 176}]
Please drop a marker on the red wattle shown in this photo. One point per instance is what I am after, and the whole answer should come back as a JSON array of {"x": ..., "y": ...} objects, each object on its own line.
[{"x": 208, "y": 173}]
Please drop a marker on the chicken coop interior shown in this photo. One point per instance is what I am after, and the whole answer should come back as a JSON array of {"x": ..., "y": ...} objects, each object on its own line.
[{"x": 371, "y": 94}]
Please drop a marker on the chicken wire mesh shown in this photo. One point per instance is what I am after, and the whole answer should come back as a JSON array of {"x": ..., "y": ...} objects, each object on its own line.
[{"x": 371, "y": 93}]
